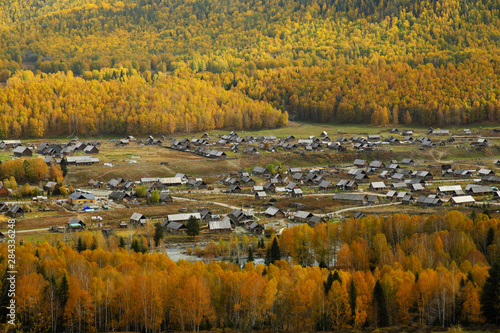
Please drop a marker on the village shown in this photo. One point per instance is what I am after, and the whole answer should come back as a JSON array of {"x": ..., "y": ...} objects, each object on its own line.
[{"x": 234, "y": 183}]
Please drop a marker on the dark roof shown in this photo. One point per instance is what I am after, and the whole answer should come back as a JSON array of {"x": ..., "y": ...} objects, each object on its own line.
[
  {"x": 175, "y": 225},
  {"x": 81, "y": 195}
]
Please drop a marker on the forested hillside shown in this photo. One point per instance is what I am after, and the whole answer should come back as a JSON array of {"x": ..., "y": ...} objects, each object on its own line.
[
  {"x": 393, "y": 271},
  {"x": 113, "y": 102},
  {"x": 425, "y": 62}
]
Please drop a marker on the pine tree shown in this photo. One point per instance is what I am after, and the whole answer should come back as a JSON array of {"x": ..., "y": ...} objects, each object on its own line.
[
  {"x": 275, "y": 251},
  {"x": 490, "y": 305},
  {"x": 380, "y": 306},
  {"x": 64, "y": 166},
  {"x": 250, "y": 254},
  {"x": 336, "y": 277},
  {"x": 63, "y": 293},
  {"x": 135, "y": 245},
  {"x": 193, "y": 226},
  {"x": 328, "y": 283},
  {"x": 81, "y": 245},
  {"x": 490, "y": 237},
  {"x": 267, "y": 259},
  {"x": 121, "y": 244},
  {"x": 158, "y": 233},
  {"x": 473, "y": 215}
]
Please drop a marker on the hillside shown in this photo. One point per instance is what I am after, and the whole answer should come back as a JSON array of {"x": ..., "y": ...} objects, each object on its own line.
[{"x": 379, "y": 62}]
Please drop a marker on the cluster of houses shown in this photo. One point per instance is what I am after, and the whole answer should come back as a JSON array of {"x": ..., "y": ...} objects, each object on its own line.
[
  {"x": 14, "y": 211},
  {"x": 54, "y": 152},
  {"x": 408, "y": 186},
  {"x": 250, "y": 145}
]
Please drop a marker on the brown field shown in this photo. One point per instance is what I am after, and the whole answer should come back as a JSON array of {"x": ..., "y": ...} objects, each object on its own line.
[{"x": 148, "y": 158}]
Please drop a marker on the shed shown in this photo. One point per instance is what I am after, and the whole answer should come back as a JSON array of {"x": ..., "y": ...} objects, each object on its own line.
[
  {"x": 462, "y": 200},
  {"x": 138, "y": 219},
  {"x": 15, "y": 211},
  {"x": 22, "y": 151},
  {"x": 174, "y": 227},
  {"x": 220, "y": 226},
  {"x": 274, "y": 212}
]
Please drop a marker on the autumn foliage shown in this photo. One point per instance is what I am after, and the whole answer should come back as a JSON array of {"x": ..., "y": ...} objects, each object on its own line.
[
  {"x": 63, "y": 104},
  {"x": 425, "y": 62},
  {"x": 430, "y": 270},
  {"x": 30, "y": 170}
]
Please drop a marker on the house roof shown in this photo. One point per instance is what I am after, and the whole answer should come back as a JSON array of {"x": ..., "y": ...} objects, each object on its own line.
[
  {"x": 74, "y": 220},
  {"x": 137, "y": 217},
  {"x": 302, "y": 214},
  {"x": 463, "y": 199},
  {"x": 182, "y": 217},
  {"x": 174, "y": 225},
  {"x": 81, "y": 195},
  {"x": 170, "y": 180},
  {"x": 15, "y": 209},
  {"x": 349, "y": 197},
  {"x": 19, "y": 149},
  {"x": 272, "y": 211},
  {"x": 378, "y": 185},
  {"x": 219, "y": 225},
  {"x": 82, "y": 159},
  {"x": 324, "y": 183},
  {"x": 449, "y": 188}
]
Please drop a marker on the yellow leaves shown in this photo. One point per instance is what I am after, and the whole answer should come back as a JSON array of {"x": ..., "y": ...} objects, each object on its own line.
[
  {"x": 193, "y": 303},
  {"x": 191, "y": 105},
  {"x": 79, "y": 311},
  {"x": 29, "y": 295}
]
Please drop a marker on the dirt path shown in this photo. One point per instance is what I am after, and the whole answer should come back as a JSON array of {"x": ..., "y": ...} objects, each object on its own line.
[{"x": 337, "y": 212}]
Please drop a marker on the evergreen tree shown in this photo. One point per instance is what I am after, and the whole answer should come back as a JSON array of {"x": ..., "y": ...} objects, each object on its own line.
[
  {"x": 135, "y": 245},
  {"x": 250, "y": 254},
  {"x": 64, "y": 166},
  {"x": 352, "y": 298},
  {"x": 486, "y": 211},
  {"x": 380, "y": 306},
  {"x": 328, "y": 283},
  {"x": 336, "y": 277},
  {"x": 62, "y": 295},
  {"x": 275, "y": 251},
  {"x": 193, "y": 226},
  {"x": 81, "y": 245},
  {"x": 63, "y": 292},
  {"x": 473, "y": 215},
  {"x": 158, "y": 233},
  {"x": 470, "y": 277},
  {"x": 490, "y": 237},
  {"x": 268, "y": 260},
  {"x": 121, "y": 244},
  {"x": 490, "y": 304}
]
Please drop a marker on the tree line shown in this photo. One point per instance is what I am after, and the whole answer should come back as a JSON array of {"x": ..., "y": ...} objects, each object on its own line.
[
  {"x": 399, "y": 270},
  {"x": 379, "y": 62},
  {"x": 61, "y": 104}
]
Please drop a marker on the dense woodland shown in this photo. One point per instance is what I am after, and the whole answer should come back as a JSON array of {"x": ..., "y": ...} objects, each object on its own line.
[
  {"x": 398, "y": 270},
  {"x": 56, "y": 104},
  {"x": 424, "y": 62}
]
